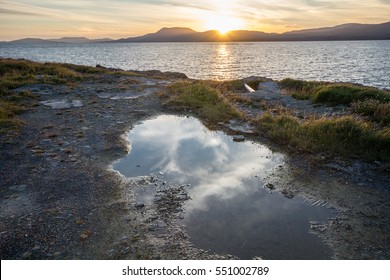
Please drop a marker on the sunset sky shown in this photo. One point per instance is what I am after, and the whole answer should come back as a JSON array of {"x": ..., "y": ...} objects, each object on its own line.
[{"x": 128, "y": 18}]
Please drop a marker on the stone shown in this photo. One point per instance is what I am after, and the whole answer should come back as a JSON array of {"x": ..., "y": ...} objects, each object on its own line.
[
  {"x": 62, "y": 103},
  {"x": 238, "y": 138},
  {"x": 287, "y": 194},
  {"x": 269, "y": 186},
  {"x": 238, "y": 127},
  {"x": 139, "y": 205},
  {"x": 125, "y": 250},
  {"x": 84, "y": 236},
  {"x": 26, "y": 255},
  {"x": 36, "y": 248}
]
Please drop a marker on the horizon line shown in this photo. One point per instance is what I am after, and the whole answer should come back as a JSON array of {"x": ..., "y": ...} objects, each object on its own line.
[{"x": 183, "y": 27}]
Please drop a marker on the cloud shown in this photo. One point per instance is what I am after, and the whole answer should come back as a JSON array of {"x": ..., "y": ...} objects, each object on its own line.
[
  {"x": 137, "y": 17},
  {"x": 17, "y": 13}
]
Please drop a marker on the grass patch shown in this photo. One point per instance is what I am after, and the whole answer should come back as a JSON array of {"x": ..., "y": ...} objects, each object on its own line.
[
  {"x": 347, "y": 135},
  {"x": 229, "y": 86},
  {"x": 236, "y": 85},
  {"x": 15, "y": 73},
  {"x": 202, "y": 97},
  {"x": 8, "y": 110},
  {"x": 377, "y": 111},
  {"x": 333, "y": 93},
  {"x": 339, "y": 94}
]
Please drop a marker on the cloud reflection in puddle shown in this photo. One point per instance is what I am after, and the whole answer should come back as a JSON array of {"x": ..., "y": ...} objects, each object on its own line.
[{"x": 230, "y": 211}]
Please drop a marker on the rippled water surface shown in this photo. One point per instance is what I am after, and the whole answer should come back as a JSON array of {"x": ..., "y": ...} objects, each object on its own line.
[
  {"x": 230, "y": 211},
  {"x": 364, "y": 62}
]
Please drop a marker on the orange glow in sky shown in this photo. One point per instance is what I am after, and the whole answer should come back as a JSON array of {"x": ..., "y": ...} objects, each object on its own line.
[
  {"x": 128, "y": 18},
  {"x": 223, "y": 23}
]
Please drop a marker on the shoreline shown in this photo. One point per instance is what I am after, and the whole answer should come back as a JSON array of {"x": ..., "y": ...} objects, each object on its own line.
[
  {"x": 60, "y": 201},
  {"x": 249, "y": 59}
]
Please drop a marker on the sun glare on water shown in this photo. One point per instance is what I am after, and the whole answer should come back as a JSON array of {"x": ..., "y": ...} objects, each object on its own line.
[{"x": 223, "y": 24}]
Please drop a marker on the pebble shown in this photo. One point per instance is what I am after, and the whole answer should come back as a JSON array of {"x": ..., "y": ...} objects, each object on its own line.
[
  {"x": 151, "y": 228},
  {"x": 84, "y": 236},
  {"x": 26, "y": 255},
  {"x": 238, "y": 138},
  {"x": 269, "y": 186},
  {"x": 287, "y": 194},
  {"x": 125, "y": 250}
]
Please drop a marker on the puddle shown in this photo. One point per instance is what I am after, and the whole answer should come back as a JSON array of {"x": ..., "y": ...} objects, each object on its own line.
[
  {"x": 63, "y": 104},
  {"x": 230, "y": 212}
]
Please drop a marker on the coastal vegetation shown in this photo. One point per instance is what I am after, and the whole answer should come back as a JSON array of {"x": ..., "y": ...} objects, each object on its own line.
[
  {"x": 16, "y": 73},
  {"x": 333, "y": 93},
  {"x": 363, "y": 132},
  {"x": 347, "y": 135},
  {"x": 204, "y": 98}
]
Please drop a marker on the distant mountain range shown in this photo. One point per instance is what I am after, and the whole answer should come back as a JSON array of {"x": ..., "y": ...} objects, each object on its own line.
[
  {"x": 350, "y": 31},
  {"x": 67, "y": 40}
]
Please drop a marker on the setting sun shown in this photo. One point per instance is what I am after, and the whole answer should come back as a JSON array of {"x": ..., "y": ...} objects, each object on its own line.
[{"x": 223, "y": 24}]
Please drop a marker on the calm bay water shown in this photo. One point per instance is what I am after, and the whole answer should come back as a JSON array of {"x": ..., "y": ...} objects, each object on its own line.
[{"x": 364, "y": 62}]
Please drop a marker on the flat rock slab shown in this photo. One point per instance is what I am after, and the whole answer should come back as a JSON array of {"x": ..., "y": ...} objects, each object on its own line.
[
  {"x": 63, "y": 103},
  {"x": 124, "y": 95},
  {"x": 239, "y": 126},
  {"x": 127, "y": 94},
  {"x": 266, "y": 90},
  {"x": 44, "y": 89},
  {"x": 270, "y": 92}
]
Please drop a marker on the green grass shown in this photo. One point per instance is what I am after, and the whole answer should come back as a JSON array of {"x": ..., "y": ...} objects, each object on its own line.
[
  {"x": 374, "y": 109},
  {"x": 8, "y": 110},
  {"x": 333, "y": 93},
  {"x": 15, "y": 73},
  {"x": 202, "y": 98},
  {"x": 229, "y": 86},
  {"x": 346, "y": 135}
]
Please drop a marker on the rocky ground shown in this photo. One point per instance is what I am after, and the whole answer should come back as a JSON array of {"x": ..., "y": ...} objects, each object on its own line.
[{"x": 61, "y": 200}]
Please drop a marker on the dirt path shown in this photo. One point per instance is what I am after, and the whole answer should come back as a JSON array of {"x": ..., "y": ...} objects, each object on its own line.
[{"x": 59, "y": 199}]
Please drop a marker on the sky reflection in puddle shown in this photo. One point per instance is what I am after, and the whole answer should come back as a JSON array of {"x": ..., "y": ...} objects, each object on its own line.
[{"x": 230, "y": 211}]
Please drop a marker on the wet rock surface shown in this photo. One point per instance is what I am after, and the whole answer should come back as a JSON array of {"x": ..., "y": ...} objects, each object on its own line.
[
  {"x": 59, "y": 199},
  {"x": 269, "y": 94}
]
